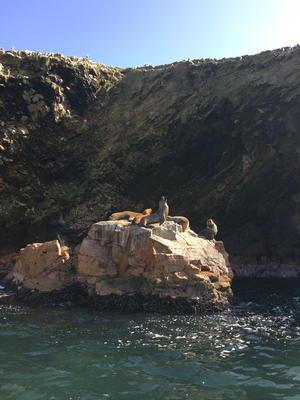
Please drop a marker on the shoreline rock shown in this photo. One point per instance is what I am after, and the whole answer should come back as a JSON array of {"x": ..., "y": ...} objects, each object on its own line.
[{"x": 120, "y": 266}]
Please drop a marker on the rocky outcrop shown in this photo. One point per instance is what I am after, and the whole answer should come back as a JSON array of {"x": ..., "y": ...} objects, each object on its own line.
[
  {"x": 123, "y": 266},
  {"x": 43, "y": 266},
  {"x": 217, "y": 137}
]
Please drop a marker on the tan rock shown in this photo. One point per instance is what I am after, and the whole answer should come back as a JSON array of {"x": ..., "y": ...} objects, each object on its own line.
[
  {"x": 180, "y": 277},
  {"x": 43, "y": 284},
  {"x": 104, "y": 231},
  {"x": 223, "y": 286},
  {"x": 224, "y": 278},
  {"x": 213, "y": 277},
  {"x": 95, "y": 260},
  {"x": 135, "y": 272},
  {"x": 162, "y": 254},
  {"x": 136, "y": 252},
  {"x": 117, "y": 254},
  {"x": 199, "y": 277},
  {"x": 130, "y": 246},
  {"x": 104, "y": 289},
  {"x": 169, "y": 230},
  {"x": 192, "y": 269},
  {"x": 168, "y": 279},
  {"x": 174, "y": 267},
  {"x": 220, "y": 247},
  {"x": 91, "y": 280},
  {"x": 121, "y": 258},
  {"x": 42, "y": 264},
  {"x": 38, "y": 258}
]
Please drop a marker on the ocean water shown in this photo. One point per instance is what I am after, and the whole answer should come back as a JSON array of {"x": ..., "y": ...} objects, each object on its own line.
[{"x": 63, "y": 352}]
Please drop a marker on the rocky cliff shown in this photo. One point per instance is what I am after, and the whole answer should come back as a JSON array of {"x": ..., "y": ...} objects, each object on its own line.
[{"x": 219, "y": 138}]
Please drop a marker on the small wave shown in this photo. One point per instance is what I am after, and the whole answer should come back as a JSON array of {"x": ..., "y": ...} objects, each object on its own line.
[{"x": 40, "y": 353}]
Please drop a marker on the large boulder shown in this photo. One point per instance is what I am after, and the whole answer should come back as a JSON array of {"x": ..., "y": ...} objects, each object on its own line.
[
  {"x": 118, "y": 258},
  {"x": 42, "y": 266},
  {"x": 127, "y": 267}
]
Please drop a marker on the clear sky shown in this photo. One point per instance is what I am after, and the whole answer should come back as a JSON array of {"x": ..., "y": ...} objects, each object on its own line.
[{"x": 127, "y": 33}]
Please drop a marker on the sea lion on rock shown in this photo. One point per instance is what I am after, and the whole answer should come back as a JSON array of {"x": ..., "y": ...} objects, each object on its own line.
[
  {"x": 183, "y": 221},
  {"x": 130, "y": 215},
  {"x": 211, "y": 230},
  {"x": 137, "y": 219},
  {"x": 159, "y": 216}
]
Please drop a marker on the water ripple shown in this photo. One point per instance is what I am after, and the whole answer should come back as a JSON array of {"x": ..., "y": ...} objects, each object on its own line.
[{"x": 249, "y": 352}]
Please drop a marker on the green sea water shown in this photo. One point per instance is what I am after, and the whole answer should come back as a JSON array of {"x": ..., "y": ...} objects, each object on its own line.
[{"x": 63, "y": 352}]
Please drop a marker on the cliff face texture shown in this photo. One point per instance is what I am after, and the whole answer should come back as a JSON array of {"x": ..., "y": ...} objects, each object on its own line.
[{"x": 220, "y": 139}]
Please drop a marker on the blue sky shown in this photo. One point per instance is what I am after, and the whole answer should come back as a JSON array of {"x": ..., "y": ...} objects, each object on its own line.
[{"x": 127, "y": 33}]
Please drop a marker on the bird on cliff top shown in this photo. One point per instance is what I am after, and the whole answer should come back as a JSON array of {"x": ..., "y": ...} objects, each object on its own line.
[{"x": 68, "y": 114}]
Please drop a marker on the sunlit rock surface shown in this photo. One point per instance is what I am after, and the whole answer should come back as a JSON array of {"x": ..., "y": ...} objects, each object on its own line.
[
  {"x": 42, "y": 266},
  {"x": 122, "y": 266},
  {"x": 163, "y": 256}
]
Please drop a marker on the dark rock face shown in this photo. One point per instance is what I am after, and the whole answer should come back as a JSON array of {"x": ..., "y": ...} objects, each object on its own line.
[
  {"x": 218, "y": 138},
  {"x": 137, "y": 302},
  {"x": 73, "y": 294},
  {"x": 151, "y": 303}
]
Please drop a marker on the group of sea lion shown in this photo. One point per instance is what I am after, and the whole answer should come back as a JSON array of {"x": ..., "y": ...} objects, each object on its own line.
[
  {"x": 162, "y": 215},
  {"x": 130, "y": 215}
]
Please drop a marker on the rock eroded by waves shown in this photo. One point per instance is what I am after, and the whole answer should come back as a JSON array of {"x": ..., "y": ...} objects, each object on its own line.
[{"x": 122, "y": 266}]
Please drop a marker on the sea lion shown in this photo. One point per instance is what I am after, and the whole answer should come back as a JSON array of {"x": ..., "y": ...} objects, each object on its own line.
[
  {"x": 211, "y": 230},
  {"x": 183, "y": 221},
  {"x": 137, "y": 219},
  {"x": 159, "y": 216},
  {"x": 130, "y": 215}
]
